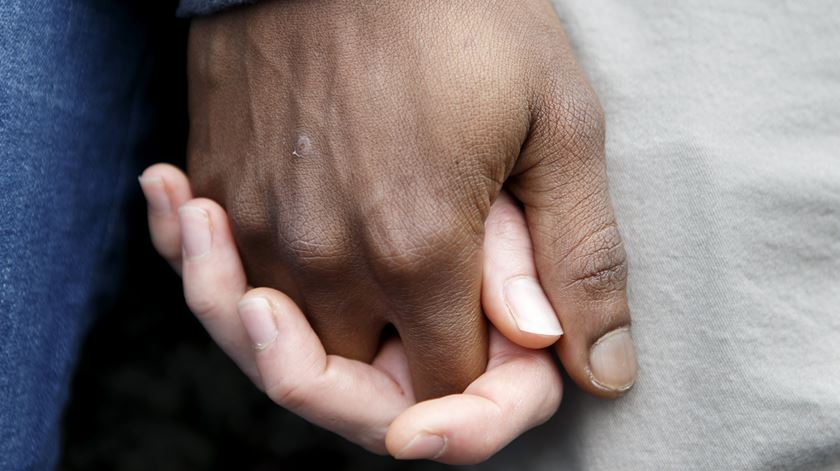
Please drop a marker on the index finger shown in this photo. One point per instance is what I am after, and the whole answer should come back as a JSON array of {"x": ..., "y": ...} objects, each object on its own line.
[
  {"x": 353, "y": 399},
  {"x": 495, "y": 409}
]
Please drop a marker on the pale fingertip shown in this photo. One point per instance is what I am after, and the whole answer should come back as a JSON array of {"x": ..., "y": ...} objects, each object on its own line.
[
  {"x": 154, "y": 189},
  {"x": 423, "y": 446},
  {"x": 529, "y": 307},
  {"x": 259, "y": 322}
]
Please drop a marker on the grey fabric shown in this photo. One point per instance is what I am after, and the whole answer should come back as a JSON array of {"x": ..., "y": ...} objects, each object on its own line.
[
  {"x": 189, "y": 8},
  {"x": 724, "y": 162},
  {"x": 723, "y": 125}
]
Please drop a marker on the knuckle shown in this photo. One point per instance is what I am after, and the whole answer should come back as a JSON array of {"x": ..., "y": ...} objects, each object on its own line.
[
  {"x": 249, "y": 221},
  {"x": 295, "y": 392},
  {"x": 313, "y": 241},
  {"x": 201, "y": 303},
  {"x": 508, "y": 224},
  {"x": 411, "y": 251},
  {"x": 598, "y": 263},
  {"x": 324, "y": 254},
  {"x": 313, "y": 245},
  {"x": 575, "y": 120},
  {"x": 292, "y": 396}
]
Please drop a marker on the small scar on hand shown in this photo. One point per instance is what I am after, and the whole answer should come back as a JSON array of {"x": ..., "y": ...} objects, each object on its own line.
[{"x": 303, "y": 146}]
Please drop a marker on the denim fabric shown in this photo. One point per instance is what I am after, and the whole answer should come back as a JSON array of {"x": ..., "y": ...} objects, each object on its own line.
[{"x": 71, "y": 114}]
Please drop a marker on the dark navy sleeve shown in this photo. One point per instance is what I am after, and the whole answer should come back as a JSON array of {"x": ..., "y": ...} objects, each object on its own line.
[{"x": 189, "y": 8}]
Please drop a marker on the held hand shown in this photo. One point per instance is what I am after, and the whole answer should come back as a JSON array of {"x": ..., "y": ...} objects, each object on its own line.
[
  {"x": 357, "y": 148},
  {"x": 369, "y": 404}
]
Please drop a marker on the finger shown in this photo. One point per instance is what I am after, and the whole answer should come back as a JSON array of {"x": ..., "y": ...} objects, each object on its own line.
[
  {"x": 446, "y": 335},
  {"x": 579, "y": 253},
  {"x": 511, "y": 294},
  {"x": 214, "y": 280},
  {"x": 340, "y": 314},
  {"x": 429, "y": 273},
  {"x": 495, "y": 409},
  {"x": 166, "y": 188},
  {"x": 391, "y": 360},
  {"x": 356, "y": 400}
]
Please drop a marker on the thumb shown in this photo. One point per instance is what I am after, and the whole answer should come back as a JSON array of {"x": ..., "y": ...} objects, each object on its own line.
[
  {"x": 511, "y": 294},
  {"x": 578, "y": 250}
]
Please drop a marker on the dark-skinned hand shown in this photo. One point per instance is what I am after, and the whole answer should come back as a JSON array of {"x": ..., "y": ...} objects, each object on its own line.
[{"x": 357, "y": 148}]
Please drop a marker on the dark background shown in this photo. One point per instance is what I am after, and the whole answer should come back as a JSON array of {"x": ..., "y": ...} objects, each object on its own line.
[{"x": 151, "y": 390}]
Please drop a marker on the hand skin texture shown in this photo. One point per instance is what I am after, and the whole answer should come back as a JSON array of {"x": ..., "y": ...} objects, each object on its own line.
[
  {"x": 357, "y": 148},
  {"x": 370, "y": 404}
]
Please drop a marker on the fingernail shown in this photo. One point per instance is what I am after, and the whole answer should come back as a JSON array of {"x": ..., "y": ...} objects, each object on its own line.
[
  {"x": 424, "y": 446},
  {"x": 195, "y": 230},
  {"x": 258, "y": 321},
  {"x": 156, "y": 195},
  {"x": 529, "y": 307},
  {"x": 612, "y": 361}
]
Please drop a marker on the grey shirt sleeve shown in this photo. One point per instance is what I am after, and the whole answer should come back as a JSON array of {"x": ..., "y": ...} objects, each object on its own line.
[{"x": 189, "y": 8}]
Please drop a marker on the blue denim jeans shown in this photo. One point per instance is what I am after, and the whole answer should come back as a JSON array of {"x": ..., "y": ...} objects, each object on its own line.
[{"x": 72, "y": 117}]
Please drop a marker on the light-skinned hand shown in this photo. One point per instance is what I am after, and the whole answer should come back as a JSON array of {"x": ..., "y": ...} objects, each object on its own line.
[{"x": 372, "y": 405}]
